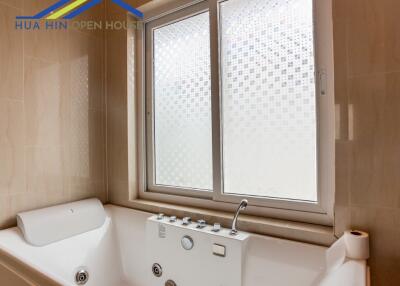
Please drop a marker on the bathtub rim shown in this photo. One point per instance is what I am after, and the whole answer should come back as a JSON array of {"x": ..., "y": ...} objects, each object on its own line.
[{"x": 27, "y": 272}]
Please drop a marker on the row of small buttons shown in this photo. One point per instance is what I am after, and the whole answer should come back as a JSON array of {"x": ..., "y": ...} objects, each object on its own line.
[{"x": 188, "y": 220}]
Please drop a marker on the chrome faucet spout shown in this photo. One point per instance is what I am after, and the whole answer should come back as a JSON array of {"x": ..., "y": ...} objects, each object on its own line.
[{"x": 242, "y": 206}]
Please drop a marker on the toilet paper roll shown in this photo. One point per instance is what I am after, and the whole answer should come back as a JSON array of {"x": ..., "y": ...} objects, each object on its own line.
[
  {"x": 354, "y": 244},
  {"x": 357, "y": 244}
]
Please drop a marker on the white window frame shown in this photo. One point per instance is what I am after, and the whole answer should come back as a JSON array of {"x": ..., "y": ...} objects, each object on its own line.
[{"x": 315, "y": 212}]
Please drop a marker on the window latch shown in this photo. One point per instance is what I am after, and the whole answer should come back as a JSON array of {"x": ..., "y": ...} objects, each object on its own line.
[{"x": 323, "y": 82}]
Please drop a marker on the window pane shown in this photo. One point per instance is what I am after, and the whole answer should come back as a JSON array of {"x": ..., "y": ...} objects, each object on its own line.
[
  {"x": 268, "y": 98},
  {"x": 182, "y": 104}
]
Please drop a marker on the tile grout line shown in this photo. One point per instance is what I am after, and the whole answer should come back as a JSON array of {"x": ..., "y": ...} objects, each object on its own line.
[
  {"x": 24, "y": 107},
  {"x": 105, "y": 53},
  {"x": 372, "y": 74}
]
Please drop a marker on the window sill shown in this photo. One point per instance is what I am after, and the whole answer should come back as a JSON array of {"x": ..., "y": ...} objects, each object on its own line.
[{"x": 298, "y": 231}]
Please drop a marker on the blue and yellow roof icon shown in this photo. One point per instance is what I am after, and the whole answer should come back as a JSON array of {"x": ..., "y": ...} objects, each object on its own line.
[{"x": 67, "y": 9}]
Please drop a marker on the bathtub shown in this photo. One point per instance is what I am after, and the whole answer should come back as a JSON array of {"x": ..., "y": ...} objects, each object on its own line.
[{"x": 115, "y": 255}]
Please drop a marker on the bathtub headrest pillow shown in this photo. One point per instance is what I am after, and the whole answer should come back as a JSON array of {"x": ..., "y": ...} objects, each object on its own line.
[{"x": 44, "y": 226}]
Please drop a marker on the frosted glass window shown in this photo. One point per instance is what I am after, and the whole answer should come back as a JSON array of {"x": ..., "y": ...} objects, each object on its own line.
[
  {"x": 182, "y": 104},
  {"x": 268, "y": 98}
]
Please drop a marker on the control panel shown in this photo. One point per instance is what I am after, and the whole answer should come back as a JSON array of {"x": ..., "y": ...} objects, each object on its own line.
[{"x": 180, "y": 247}]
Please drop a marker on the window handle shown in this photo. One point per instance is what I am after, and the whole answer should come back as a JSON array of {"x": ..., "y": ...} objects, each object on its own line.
[{"x": 323, "y": 82}]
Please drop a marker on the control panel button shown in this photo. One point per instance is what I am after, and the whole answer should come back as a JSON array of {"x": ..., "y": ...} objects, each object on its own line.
[
  {"x": 219, "y": 250},
  {"x": 187, "y": 220},
  {"x": 201, "y": 223},
  {"x": 172, "y": 218},
  {"x": 160, "y": 216},
  {"x": 216, "y": 227}
]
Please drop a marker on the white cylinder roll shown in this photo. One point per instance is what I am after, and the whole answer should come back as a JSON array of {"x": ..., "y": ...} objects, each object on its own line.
[
  {"x": 354, "y": 244},
  {"x": 43, "y": 226},
  {"x": 357, "y": 244}
]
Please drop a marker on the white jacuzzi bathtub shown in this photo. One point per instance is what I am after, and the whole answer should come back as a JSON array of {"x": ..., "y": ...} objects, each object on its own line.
[{"x": 115, "y": 255}]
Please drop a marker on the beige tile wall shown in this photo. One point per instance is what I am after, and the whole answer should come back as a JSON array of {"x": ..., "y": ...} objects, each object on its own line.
[
  {"x": 52, "y": 113},
  {"x": 367, "y": 77}
]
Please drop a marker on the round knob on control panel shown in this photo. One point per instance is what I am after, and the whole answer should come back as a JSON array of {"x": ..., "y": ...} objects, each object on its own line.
[
  {"x": 172, "y": 218},
  {"x": 187, "y": 242},
  {"x": 160, "y": 216}
]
